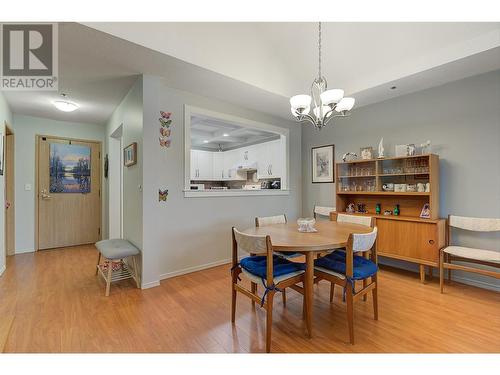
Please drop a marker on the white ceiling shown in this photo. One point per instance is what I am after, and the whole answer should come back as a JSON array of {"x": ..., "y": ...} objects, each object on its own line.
[
  {"x": 86, "y": 74},
  {"x": 259, "y": 65},
  {"x": 210, "y": 134},
  {"x": 282, "y": 58}
]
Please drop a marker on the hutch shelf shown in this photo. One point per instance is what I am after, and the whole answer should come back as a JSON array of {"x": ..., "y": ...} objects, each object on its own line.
[{"x": 405, "y": 236}]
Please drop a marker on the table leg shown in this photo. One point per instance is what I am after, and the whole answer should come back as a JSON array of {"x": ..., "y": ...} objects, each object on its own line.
[{"x": 309, "y": 282}]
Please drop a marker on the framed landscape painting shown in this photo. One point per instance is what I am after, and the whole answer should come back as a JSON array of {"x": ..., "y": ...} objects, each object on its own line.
[
  {"x": 322, "y": 159},
  {"x": 69, "y": 168}
]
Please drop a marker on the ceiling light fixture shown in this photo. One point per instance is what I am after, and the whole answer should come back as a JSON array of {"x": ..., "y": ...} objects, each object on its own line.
[
  {"x": 327, "y": 103},
  {"x": 225, "y": 135},
  {"x": 205, "y": 141},
  {"x": 65, "y": 105}
]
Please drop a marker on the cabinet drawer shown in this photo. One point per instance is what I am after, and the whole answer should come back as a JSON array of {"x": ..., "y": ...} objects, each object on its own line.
[{"x": 408, "y": 240}]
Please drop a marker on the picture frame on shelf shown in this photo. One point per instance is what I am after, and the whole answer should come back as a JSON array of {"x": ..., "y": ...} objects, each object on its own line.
[
  {"x": 366, "y": 153},
  {"x": 322, "y": 164},
  {"x": 130, "y": 155}
]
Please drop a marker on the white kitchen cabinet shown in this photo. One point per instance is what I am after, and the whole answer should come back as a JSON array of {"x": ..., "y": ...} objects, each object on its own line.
[
  {"x": 218, "y": 169},
  {"x": 201, "y": 165},
  {"x": 271, "y": 162}
]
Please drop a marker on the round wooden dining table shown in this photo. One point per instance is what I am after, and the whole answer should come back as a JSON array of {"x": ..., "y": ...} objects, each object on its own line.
[{"x": 286, "y": 238}]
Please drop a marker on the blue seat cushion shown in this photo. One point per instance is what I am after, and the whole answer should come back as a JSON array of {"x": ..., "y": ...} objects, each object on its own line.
[
  {"x": 257, "y": 265},
  {"x": 362, "y": 268}
]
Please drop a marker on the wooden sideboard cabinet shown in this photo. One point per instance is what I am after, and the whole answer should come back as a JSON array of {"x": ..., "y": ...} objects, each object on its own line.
[
  {"x": 414, "y": 240},
  {"x": 364, "y": 183}
]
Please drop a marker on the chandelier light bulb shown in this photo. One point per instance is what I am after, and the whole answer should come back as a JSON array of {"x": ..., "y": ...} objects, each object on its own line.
[
  {"x": 332, "y": 96},
  {"x": 299, "y": 102},
  {"x": 326, "y": 109},
  {"x": 345, "y": 104}
]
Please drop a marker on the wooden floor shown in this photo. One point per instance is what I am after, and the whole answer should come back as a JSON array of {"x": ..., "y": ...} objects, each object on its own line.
[{"x": 51, "y": 301}]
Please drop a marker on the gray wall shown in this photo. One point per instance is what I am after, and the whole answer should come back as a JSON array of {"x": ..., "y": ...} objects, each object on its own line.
[
  {"x": 462, "y": 120},
  {"x": 185, "y": 234},
  {"x": 25, "y": 130},
  {"x": 129, "y": 113}
]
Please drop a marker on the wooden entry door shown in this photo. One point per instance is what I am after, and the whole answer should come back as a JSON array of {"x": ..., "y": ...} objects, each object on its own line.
[{"x": 69, "y": 196}]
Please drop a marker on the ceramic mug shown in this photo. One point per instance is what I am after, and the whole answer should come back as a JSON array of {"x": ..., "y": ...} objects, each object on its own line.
[{"x": 388, "y": 187}]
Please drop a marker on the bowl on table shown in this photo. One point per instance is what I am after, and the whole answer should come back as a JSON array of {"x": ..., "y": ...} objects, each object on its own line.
[{"x": 306, "y": 224}]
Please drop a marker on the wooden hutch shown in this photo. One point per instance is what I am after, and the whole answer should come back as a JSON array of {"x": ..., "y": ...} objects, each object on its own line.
[{"x": 406, "y": 236}]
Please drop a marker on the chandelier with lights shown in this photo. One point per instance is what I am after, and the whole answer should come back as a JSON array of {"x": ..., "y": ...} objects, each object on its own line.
[{"x": 327, "y": 104}]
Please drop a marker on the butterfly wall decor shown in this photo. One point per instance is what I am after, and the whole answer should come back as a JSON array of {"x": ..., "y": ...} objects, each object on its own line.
[
  {"x": 162, "y": 195},
  {"x": 165, "y": 131}
]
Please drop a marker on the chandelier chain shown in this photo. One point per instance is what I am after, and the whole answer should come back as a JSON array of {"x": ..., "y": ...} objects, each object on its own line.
[{"x": 319, "y": 50}]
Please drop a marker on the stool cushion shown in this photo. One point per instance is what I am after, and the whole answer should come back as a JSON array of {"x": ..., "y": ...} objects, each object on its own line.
[{"x": 116, "y": 248}]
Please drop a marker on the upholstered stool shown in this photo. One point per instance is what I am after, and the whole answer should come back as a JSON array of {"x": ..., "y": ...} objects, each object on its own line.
[{"x": 114, "y": 251}]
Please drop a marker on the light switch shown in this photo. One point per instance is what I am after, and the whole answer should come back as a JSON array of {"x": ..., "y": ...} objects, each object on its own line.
[{"x": 27, "y": 187}]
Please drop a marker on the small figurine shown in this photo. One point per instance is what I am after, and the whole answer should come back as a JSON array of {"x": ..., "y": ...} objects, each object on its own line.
[
  {"x": 361, "y": 208},
  {"x": 350, "y": 208},
  {"x": 410, "y": 150},
  {"x": 377, "y": 209},
  {"x": 387, "y": 213},
  {"x": 381, "y": 148},
  {"x": 426, "y": 147},
  {"x": 347, "y": 154},
  {"x": 426, "y": 211}
]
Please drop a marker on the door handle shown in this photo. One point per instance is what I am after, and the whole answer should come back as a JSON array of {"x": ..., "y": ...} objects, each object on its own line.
[{"x": 45, "y": 196}]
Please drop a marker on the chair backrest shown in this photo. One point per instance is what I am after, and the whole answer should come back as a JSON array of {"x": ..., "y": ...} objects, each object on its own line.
[
  {"x": 475, "y": 224},
  {"x": 357, "y": 243},
  {"x": 355, "y": 219},
  {"x": 253, "y": 244},
  {"x": 269, "y": 220},
  {"x": 322, "y": 211},
  {"x": 362, "y": 242}
]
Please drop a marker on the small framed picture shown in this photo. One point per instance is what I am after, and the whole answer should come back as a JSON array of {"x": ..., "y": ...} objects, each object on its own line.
[
  {"x": 366, "y": 153},
  {"x": 130, "y": 154},
  {"x": 322, "y": 159}
]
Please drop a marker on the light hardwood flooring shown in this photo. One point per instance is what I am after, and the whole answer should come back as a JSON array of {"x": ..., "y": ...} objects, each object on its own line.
[{"x": 51, "y": 301}]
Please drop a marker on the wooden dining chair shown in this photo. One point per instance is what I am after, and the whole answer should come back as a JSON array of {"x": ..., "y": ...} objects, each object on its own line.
[
  {"x": 322, "y": 212},
  {"x": 355, "y": 219},
  {"x": 274, "y": 272},
  {"x": 344, "y": 268},
  {"x": 262, "y": 221},
  {"x": 369, "y": 221},
  {"x": 467, "y": 254}
]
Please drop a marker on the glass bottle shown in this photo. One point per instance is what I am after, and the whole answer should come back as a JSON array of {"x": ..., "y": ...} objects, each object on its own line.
[
  {"x": 377, "y": 209},
  {"x": 396, "y": 210}
]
